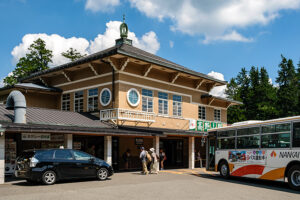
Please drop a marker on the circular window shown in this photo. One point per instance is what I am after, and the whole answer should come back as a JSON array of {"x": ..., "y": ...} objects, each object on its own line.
[
  {"x": 105, "y": 96},
  {"x": 133, "y": 97}
]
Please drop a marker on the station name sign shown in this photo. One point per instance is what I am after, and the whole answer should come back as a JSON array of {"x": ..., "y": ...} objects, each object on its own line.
[{"x": 201, "y": 125}]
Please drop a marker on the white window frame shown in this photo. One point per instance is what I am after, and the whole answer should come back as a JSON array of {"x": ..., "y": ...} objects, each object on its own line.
[
  {"x": 177, "y": 105},
  {"x": 201, "y": 108},
  {"x": 147, "y": 99},
  {"x": 139, "y": 98},
  {"x": 100, "y": 98},
  {"x": 65, "y": 101},
  {"x": 92, "y": 96},
  {"x": 215, "y": 115},
  {"x": 163, "y": 103},
  {"x": 80, "y": 99}
]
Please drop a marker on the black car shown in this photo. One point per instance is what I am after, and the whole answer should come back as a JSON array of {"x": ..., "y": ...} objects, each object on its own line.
[{"x": 51, "y": 165}]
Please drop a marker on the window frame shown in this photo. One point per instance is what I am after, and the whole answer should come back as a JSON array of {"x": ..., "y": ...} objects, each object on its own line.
[
  {"x": 100, "y": 97},
  {"x": 92, "y": 97},
  {"x": 163, "y": 103},
  {"x": 215, "y": 115},
  {"x": 178, "y": 105},
  {"x": 78, "y": 99},
  {"x": 200, "y": 106},
  {"x": 128, "y": 99},
  {"x": 148, "y": 99},
  {"x": 65, "y": 101}
]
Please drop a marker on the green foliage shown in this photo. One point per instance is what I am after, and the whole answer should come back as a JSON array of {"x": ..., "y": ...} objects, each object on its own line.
[
  {"x": 72, "y": 54},
  {"x": 36, "y": 60}
]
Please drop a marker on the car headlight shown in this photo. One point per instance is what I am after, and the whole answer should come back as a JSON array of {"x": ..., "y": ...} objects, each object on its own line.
[{"x": 33, "y": 162}]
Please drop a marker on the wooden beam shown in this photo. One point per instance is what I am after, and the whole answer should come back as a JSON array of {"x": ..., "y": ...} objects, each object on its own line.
[
  {"x": 211, "y": 101},
  {"x": 147, "y": 70},
  {"x": 93, "y": 69},
  {"x": 229, "y": 104},
  {"x": 43, "y": 81},
  {"x": 113, "y": 63},
  {"x": 199, "y": 84},
  {"x": 174, "y": 77},
  {"x": 211, "y": 86},
  {"x": 66, "y": 76},
  {"x": 124, "y": 64}
]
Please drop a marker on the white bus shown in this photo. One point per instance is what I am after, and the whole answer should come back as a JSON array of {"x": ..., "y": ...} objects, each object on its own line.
[{"x": 267, "y": 150}]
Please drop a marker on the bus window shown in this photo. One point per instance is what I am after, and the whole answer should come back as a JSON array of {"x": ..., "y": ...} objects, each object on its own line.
[
  {"x": 249, "y": 142},
  {"x": 248, "y": 131},
  {"x": 226, "y": 143},
  {"x": 230, "y": 133},
  {"x": 275, "y": 140},
  {"x": 296, "y": 134}
]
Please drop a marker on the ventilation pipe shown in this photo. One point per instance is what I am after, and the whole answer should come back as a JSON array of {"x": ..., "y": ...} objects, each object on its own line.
[{"x": 17, "y": 102}]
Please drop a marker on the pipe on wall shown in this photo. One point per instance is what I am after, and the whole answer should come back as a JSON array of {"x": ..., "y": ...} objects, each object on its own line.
[{"x": 16, "y": 101}]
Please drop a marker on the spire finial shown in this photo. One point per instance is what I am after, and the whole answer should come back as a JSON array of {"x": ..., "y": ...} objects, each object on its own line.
[{"x": 123, "y": 18}]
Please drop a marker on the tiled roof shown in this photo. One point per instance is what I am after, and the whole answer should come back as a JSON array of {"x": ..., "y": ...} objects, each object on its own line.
[
  {"x": 53, "y": 117},
  {"x": 131, "y": 51},
  {"x": 31, "y": 86}
]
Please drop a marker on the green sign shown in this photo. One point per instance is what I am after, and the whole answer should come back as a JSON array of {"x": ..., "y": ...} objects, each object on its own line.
[{"x": 205, "y": 125}]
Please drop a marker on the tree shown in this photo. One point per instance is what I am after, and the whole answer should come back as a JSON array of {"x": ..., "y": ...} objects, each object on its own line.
[
  {"x": 287, "y": 98},
  {"x": 72, "y": 54},
  {"x": 36, "y": 60}
]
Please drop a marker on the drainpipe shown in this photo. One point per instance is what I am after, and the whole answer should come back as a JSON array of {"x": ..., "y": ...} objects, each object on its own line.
[{"x": 16, "y": 101}]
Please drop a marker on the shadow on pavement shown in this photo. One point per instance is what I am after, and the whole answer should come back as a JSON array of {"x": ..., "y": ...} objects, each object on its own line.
[{"x": 272, "y": 185}]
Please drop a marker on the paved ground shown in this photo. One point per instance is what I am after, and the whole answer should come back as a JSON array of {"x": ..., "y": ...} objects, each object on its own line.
[{"x": 171, "y": 184}]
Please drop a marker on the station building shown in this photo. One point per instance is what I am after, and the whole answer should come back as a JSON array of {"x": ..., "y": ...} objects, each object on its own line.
[{"x": 117, "y": 99}]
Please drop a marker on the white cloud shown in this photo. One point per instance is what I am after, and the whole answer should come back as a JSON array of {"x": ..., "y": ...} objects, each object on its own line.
[
  {"x": 148, "y": 42},
  {"x": 58, "y": 44},
  {"x": 220, "y": 90},
  {"x": 1, "y": 83},
  {"x": 215, "y": 20},
  {"x": 171, "y": 43},
  {"x": 101, "y": 5}
]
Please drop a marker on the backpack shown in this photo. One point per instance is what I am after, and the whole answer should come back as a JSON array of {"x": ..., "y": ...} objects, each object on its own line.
[{"x": 148, "y": 157}]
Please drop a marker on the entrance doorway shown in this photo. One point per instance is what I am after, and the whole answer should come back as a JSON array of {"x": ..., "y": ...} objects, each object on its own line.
[{"x": 176, "y": 151}]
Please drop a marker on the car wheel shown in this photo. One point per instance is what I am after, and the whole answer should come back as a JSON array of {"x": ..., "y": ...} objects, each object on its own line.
[
  {"x": 224, "y": 170},
  {"x": 294, "y": 177},
  {"x": 49, "y": 177},
  {"x": 102, "y": 174}
]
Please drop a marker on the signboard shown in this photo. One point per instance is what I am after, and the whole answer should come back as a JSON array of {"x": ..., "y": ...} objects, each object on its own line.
[
  {"x": 36, "y": 136},
  {"x": 204, "y": 126},
  {"x": 249, "y": 157},
  {"x": 139, "y": 141}
]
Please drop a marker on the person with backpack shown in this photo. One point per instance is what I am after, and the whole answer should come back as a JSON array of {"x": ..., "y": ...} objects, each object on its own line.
[
  {"x": 154, "y": 163},
  {"x": 143, "y": 157}
]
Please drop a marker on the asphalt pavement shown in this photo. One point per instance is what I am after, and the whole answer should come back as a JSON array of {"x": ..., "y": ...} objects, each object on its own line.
[{"x": 168, "y": 184}]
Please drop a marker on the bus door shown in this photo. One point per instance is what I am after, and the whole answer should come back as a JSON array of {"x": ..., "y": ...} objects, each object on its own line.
[{"x": 210, "y": 151}]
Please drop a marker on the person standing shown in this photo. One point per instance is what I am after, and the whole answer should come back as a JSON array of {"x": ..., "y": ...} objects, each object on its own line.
[
  {"x": 143, "y": 157},
  {"x": 162, "y": 158},
  {"x": 126, "y": 158},
  {"x": 91, "y": 150},
  {"x": 154, "y": 163}
]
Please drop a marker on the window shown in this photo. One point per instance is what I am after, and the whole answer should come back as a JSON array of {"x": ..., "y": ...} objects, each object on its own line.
[
  {"x": 275, "y": 140},
  {"x": 248, "y": 142},
  {"x": 163, "y": 103},
  {"x": 248, "y": 131},
  {"x": 65, "y": 102},
  {"x": 230, "y": 133},
  {"x": 296, "y": 134},
  {"x": 147, "y": 100},
  {"x": 105, "y": 97},
  {"x": 63, "y": 155},
  {"x": 79, "y": 155},
  {"x": 226, "y": 143},
  {"x": 217, "y": 115},
  {"x": 78, "y": 101},
  {"x": 177, "y": 105},
  {"x": 201, "y": 112},
  {"x": 276, "y": 128},
  {"x": 93, "y": 99},
  {"x": 133, "y": 97},
  {"x": 44, "y": 155}
]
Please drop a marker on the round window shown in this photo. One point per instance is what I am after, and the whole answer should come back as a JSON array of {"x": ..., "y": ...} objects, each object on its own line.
[
  {"x": 105, "y": 96},
  {"x": 133, "y": 97}
]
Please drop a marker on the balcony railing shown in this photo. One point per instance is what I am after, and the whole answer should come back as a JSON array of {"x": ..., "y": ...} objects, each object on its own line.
[{"x": 126, "y": 115}]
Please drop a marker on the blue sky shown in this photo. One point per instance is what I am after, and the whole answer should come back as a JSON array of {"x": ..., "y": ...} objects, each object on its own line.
[{"x": 202, "y": 35}]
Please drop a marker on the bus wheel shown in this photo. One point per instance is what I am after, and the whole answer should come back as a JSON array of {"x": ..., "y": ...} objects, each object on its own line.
[
  {"x": 224, "y": 170},
  {"x": 294, "y": 177}
]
